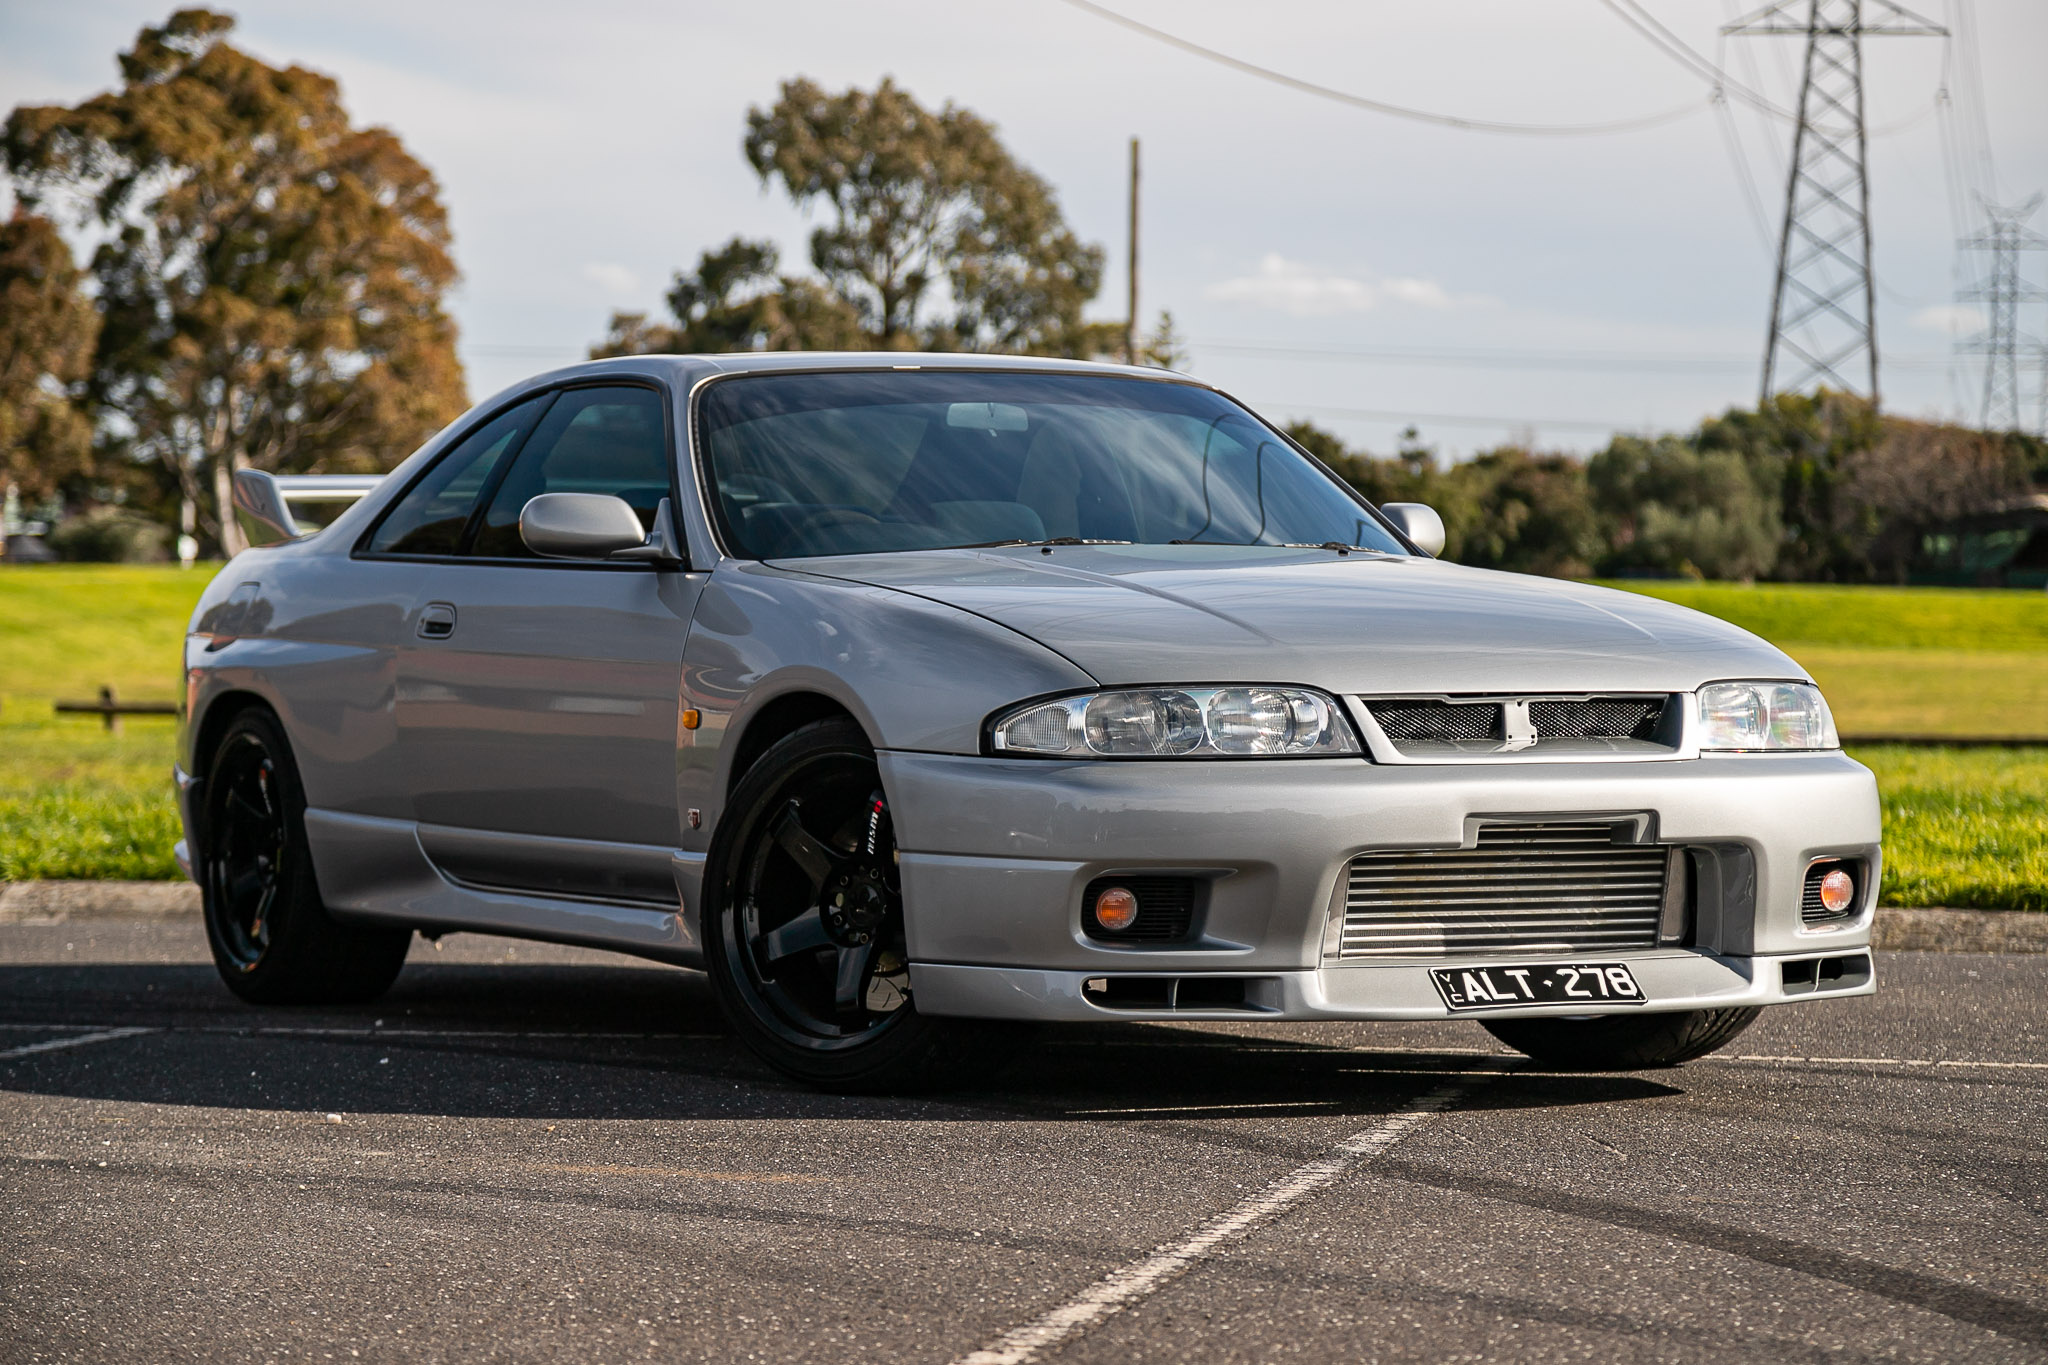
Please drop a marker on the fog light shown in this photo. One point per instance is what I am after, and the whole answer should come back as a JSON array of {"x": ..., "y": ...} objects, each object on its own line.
[
  {"x": 1116, "y": 909},
  {"x": 1837, "y": 889}
]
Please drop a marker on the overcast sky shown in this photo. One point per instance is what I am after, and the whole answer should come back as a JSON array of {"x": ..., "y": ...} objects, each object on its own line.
[{"x": 1560, "y": 287}]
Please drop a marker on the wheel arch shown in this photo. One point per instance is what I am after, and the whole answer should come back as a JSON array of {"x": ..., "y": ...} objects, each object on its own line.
[
  {"x": 780, "y": 717},
  {"x": 220, "y": 713}
]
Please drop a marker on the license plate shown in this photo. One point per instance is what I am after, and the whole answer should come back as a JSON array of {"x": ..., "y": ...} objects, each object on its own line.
[{"x": 1548, "y": 983}]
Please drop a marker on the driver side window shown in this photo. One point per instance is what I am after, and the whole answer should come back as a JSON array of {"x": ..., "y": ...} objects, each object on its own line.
[{"x": 610, "y": 439}]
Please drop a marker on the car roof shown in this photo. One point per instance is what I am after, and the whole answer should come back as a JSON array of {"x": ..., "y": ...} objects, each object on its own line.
[{"x": 686, "y": 370}]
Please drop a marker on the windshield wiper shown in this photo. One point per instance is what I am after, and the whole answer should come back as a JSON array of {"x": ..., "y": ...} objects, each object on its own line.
[{"x": 1055, "y": 540}]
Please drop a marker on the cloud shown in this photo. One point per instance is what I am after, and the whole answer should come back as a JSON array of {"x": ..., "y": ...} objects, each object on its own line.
[
  {"x": 611, "y": 277},
  {"x": 1953, "y": 319},
  {"x": 1301, "y": 290}
]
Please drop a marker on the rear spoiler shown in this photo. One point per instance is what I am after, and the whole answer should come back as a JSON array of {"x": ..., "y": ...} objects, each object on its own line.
[{"x": 278, "y": 507}]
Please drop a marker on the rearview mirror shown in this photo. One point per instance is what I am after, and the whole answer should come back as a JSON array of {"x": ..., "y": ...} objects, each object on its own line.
[
  {"x": 579, "y": 526},
  {"x": 1419, "y": 522}
]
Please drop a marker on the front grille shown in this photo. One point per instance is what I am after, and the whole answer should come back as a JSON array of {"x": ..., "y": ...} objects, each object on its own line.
[
  {"x": 1564, "y": 887},
  {"x": 1166, "y": 909},
  {"x": 1443, "y": 721},
  {"x": 1596, "y": 717}
]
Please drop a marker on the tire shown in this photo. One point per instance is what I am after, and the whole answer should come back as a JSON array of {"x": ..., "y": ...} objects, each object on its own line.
[
  {"x": 273, "y": 941},
  {"x": 803, "y": 927},
  {"x": 1623, "y": 1042}
]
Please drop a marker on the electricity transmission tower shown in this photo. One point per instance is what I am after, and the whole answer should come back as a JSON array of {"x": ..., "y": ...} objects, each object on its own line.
[
  {"x": 2002, "y": 290},
  {"x": 1823, "y": 306}
]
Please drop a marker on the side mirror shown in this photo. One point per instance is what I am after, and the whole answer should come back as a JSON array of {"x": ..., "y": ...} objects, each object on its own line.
[
  {"x": 1419, "y": 522},
  {"x": 579, "y": 526}
]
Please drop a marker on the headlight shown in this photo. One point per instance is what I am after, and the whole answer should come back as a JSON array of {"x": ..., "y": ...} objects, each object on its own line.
[
  {"x": 1179, "y": 722},
  {"x": 1765, "y": 715}
]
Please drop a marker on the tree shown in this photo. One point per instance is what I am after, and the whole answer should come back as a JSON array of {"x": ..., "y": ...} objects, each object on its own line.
[
  {"x": 936, "y": 238},
  {"x": 1166, "y": 348},
  {"x": 271, "y": 276},
  {"x": 1671, "y": 508},
  {"x": 1918, "y": 477},
  {"x": 1799, "y": 441},
  {"x": 47, "y": 330},
  {"x": 737, "y": 301},
  {"x": 1523, "y": 511}
]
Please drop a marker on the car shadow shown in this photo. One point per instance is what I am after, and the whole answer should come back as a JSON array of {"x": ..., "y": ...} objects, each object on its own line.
[{"x": 582, "y": 1041}]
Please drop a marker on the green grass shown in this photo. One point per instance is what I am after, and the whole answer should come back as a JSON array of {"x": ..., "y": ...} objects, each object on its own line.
[
  {"x": 70, "y": 628},
  {"x": 1964, "y": 827},
  {"x": 1794, "y": 614},
  {"x": 76, "y": 801}
]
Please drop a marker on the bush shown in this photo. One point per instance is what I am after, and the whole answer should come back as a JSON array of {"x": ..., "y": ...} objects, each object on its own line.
[{"x": 109, "y": 536}]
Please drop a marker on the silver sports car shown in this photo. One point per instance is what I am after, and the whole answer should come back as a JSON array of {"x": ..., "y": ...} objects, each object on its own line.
[{"x": 914, "y": 696}]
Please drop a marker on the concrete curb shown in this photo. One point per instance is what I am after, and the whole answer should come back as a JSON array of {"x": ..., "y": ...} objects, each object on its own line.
[
  {"x": 1897, "y": 929},
  {"x": 1941, "y": 930},
  {"x": 58, "y": 902}
]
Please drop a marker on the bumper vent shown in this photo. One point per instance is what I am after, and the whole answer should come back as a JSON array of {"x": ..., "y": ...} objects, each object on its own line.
[
  {"x": 1563, "y": 887},
  {"x": 1166, "y": 909}
]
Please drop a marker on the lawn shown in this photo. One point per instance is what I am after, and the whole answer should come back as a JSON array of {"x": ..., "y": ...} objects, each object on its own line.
[
  {"x": 1963, "y": 827},
  {"x": 1899, "y": 661}
]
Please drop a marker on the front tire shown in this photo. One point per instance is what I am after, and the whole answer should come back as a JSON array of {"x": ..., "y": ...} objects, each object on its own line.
[
  {"x": 1623, "y": 1042},
  {"x": 273, "y": 941},
  {"x": 803, "y": 926}
]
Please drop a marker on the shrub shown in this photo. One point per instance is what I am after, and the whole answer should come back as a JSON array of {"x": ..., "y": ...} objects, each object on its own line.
[{"x": 109, "y": 536}]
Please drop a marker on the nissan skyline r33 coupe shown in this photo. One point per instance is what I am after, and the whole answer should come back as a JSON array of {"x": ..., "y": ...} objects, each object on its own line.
[{"x": 911, "y": 697}]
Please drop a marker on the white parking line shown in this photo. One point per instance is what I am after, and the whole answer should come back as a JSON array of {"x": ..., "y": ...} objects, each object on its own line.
[
  {"x": 83, "y": 1040},
  {"x": 1121, "y": 1288}
]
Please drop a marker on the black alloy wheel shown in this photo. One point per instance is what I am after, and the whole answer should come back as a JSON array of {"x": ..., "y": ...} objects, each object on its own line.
[
  {"x": 273, "y": 940},
  {"x": 804, "y": 923},
  {"x": 248, "y": 848}
]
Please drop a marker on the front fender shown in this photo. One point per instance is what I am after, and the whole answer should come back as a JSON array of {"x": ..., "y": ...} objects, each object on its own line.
[{"x": 918, "y": 675}]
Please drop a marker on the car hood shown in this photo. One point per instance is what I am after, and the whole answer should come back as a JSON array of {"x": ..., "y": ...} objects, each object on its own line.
[{"x": 1347, "y": 623}]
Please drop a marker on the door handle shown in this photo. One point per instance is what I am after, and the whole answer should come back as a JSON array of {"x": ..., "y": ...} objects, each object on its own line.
[{"x": 437, "y": 621}]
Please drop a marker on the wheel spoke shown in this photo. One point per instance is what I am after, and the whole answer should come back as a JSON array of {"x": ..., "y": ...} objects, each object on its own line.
[
  {"x": 850, "y": 990},
  {"x": 810, "y": 853},
  {"x": 251, "y": 811},
  {"x": 804, "y": 934}
]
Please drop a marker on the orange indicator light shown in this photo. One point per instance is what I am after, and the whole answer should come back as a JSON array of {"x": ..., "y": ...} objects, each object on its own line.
[
  {"x": 1837, "y": 889},
  {"x": 1116, "y": 909}
]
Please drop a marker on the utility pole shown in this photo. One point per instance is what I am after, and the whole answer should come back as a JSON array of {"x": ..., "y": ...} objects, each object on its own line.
[
  {"x": 1824, "y": 304},
  {"x": 1131, "y": 304},
  {"x": 2003, "y": 290}
]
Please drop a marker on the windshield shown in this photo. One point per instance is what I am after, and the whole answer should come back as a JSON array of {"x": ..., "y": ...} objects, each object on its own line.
[{"x": 825, "y": 464}]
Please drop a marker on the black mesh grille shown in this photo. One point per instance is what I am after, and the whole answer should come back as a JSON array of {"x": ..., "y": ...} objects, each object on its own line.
[
  {"x": 1596, "y": 717},
  {"x": 1166, "y": 909},
  {"x": 1405, "y": 721}
]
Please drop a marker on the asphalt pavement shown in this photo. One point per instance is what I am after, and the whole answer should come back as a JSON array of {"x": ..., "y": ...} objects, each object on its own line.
[{"x": 534, "y": 1153}]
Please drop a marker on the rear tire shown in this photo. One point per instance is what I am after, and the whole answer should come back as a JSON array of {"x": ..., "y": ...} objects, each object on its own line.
[
  {"x": 1622, "y": 1042},
  {"x": 803, "y": 927},
  {"x": 273, "y": 941}
]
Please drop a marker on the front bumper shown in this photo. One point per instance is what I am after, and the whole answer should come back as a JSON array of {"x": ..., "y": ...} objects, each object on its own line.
[
  {"x": 995, "y": 853},
  {"x": 188, "y": 816}
]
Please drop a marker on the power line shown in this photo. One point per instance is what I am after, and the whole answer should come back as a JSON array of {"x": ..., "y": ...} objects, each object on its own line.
[
  {"x": 1380, "y": 106},
  {"x": 1675, "y": 47}
]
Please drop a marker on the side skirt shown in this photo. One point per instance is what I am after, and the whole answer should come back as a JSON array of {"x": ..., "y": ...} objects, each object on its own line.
[{"x": 372, "y": 868}]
